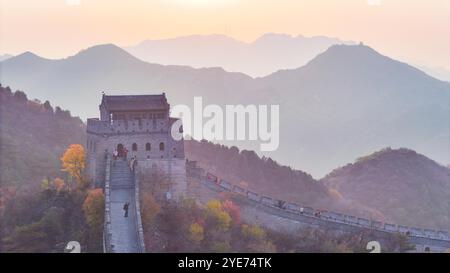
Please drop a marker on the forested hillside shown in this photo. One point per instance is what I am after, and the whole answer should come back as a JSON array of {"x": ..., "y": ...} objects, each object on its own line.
[
  {"x": 33, "y": 136},
  {"x": 407, "y": 187},
  {"x": 268, "y": 177}
]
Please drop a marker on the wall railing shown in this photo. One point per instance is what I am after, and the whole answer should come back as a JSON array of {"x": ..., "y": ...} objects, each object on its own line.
[
  {"x": 138, "y": 219},
  {"x": 107, "y": 245},
  {"x": 325, "y": 215}
]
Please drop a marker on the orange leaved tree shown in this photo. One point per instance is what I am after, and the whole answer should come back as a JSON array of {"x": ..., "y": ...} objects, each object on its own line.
[{"x": 93, "y": 208}]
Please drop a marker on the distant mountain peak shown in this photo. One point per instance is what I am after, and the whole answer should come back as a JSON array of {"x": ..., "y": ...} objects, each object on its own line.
[
  {"x": 353, "y": 52},
  {"x": 103, "y": 49},
  {"x": 27, "y": 58},
  {"x": 388, "y": 152},
  {"x": 390, "y": 178},
  {"x": 357, "y": 61},
  {"x": 351, "y": 49},
  {"x": 28, "y": 55},
  {"x": 106, "y": 52},
  {"x": 386, "y": 155}
]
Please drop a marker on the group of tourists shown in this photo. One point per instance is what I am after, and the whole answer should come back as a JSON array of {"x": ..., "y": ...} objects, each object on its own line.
[{"x": 122, "y": 153}]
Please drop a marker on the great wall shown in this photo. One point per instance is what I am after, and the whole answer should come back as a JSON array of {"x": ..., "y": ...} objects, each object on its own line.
[
  {"x": 139, "y": 127},
  {"x": 255, "y": 208},
  {"x": 290, "y": 217}
]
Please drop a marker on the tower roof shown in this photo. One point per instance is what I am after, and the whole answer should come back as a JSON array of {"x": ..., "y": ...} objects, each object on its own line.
[{"x": 135, "y": 102}]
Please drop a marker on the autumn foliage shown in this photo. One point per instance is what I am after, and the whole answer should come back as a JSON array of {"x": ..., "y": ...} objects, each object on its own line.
[
  {"x": 59, "y": 184},
  {"x": 93, "y": 207},
  {"x": 217, "y": 216},
  {"x": 149, "y": 208},
  {"x": 196, "y": 232},
  {"x": 73, "y": 162}
]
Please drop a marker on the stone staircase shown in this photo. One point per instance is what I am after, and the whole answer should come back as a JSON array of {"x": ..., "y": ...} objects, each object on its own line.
[
  {"x": 124, "y": 230},
  {"x": 121, "y": 176}
]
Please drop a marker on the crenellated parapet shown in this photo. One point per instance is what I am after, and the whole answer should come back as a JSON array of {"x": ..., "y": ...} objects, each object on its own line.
[{"x": 120, "y": 127}]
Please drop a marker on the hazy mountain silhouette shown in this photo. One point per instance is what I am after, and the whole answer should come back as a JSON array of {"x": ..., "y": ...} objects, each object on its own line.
[
  {"x": 348, "y": 101},
  {"x": 351, "y": 100},
  {"x": 76, "y": 82},
  {"x": 5, "y": 56},
  {"x": 265, "y": 55},
  {"x": 405, "y": 186}
]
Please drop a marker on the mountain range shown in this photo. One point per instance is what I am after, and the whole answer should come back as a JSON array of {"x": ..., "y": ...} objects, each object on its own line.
[
  {"x": 347, "y": 101},
  {"x": 265, "y": 55}
]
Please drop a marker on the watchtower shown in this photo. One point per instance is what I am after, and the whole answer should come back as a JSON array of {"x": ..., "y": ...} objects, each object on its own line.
[{"x": 136, "y": 126}]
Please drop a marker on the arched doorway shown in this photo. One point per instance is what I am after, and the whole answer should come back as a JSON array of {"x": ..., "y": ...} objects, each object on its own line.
[{"x": 120, "y": 150}]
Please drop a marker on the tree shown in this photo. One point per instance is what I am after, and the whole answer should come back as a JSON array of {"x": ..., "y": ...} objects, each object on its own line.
[
  {"x": 256, "y": 240},
  {"x": 253, "y": 232},
  {"x": 233, "y": 210},
  {"x": 20, "y": 96},
  {"x": 48, "y": 107},
  {"x": 74, "y": 162},
  {"x": 94, "y": 208},
  {"x": 59, "y": 184},
  {"x": 39, "y": 236},
  {"x": 217, "y": 215},
  {"x": 45, "y": 183},
  {"x": 149, "y": 209},
  {"x": 196, "y": 232},
  {"x": 221, "y": 247}
]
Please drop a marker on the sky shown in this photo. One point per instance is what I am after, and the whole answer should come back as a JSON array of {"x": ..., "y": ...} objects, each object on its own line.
[{"x": 417, "y": 31}]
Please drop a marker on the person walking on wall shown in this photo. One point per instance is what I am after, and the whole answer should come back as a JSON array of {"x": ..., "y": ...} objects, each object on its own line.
[
  {"x": 131, "y": 163},
  {"x": 115, "y": 154},
  {"x": 134, "y": 164},
  {"x": 125, "y": 208}
]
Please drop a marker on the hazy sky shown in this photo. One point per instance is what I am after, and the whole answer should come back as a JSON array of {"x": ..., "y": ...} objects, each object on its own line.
[{"x": 413, "y": 30}]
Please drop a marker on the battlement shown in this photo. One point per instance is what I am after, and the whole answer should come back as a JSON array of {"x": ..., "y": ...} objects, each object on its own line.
[{"x": 117, "y": 127}]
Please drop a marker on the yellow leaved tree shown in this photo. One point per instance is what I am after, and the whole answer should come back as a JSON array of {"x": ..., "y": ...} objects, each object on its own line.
[
  {"x": 74, "y": 162},
  {"x": 196, "y": 232},
  {"x": 215, "y": 211}
]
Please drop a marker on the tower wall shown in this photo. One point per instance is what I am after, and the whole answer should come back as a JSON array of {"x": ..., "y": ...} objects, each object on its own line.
[{"x": 171, "y": 160}]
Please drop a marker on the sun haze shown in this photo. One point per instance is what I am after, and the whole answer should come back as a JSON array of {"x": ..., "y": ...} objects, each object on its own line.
[{"x": 413, "y": 30}]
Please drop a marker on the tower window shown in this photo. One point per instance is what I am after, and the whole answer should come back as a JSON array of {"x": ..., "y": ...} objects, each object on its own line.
[
  {"x": 161, "y": 146},
  {"x": 148, "y": 147},
  {"x": 134, "y": 147}
]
